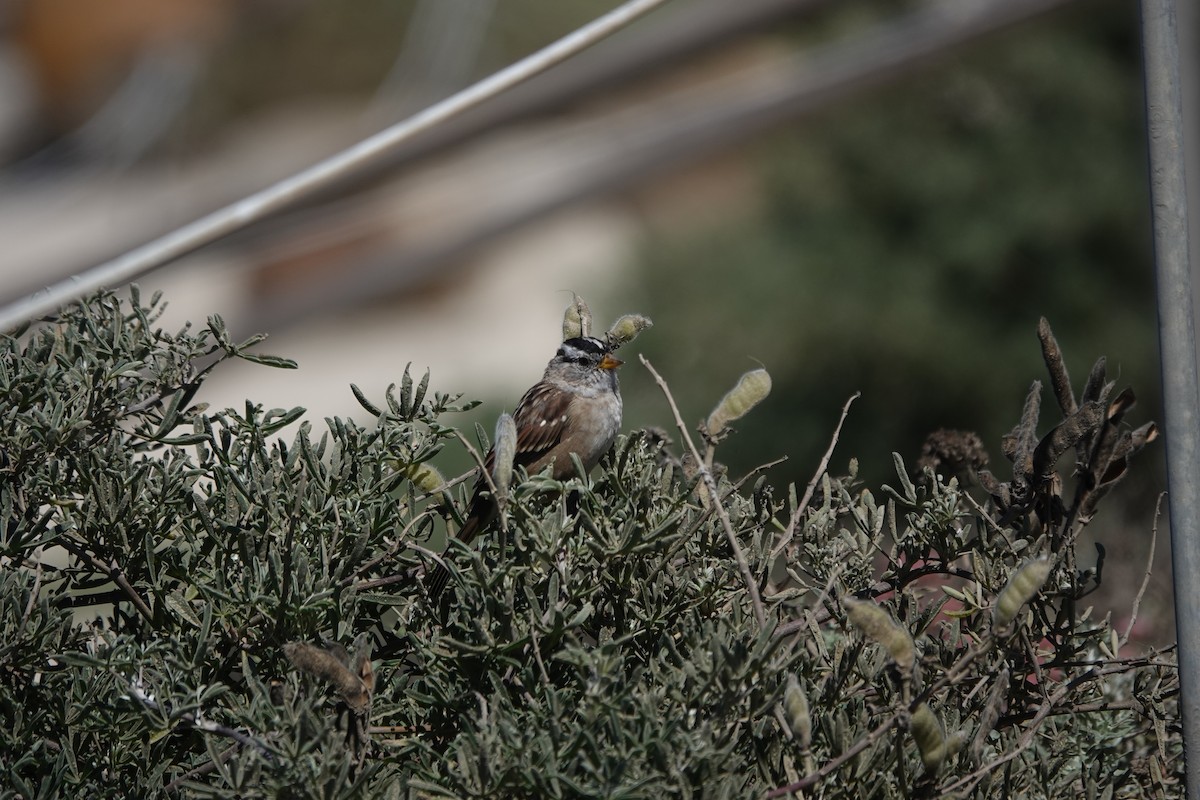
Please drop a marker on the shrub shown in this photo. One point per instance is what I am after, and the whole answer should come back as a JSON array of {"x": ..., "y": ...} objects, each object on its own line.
[{"x": 198, "y": 603}]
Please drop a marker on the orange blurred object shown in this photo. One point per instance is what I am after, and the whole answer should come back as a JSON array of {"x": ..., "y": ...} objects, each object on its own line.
[{"x": 81, "y": 50}]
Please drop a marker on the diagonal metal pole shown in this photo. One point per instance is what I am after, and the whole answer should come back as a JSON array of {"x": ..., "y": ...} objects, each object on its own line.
[
  {"x": 1177, "y": 343},
  {"x": 366, "y": 153}
]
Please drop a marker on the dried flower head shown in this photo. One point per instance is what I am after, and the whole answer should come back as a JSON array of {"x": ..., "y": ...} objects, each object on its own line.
[{"x": 329, "y": 665}]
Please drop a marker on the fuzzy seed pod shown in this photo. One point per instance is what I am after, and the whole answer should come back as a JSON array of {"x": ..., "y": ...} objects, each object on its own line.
[
  {"x": 626, "y": 329},
  {"x": 931, "y": 740},
  {"x": 326, "y": 665},
  {"x": 795, "y": 705},
  {"x": 504, "y": 449},
  {"x": 426, "y": 478},
  {"x": 577, "y": 320},
  {"x": 1024, "y": 583},
  {"x": 879, "y": 625},
  {"x": 751, "y": 389}
]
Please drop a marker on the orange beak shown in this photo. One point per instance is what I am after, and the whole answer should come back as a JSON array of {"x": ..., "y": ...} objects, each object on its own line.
[{"x": 608, "y": 362}]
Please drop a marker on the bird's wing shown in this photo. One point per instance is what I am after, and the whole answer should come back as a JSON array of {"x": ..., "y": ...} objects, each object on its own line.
[
  {"x": 541, "y": 420},
  {"x": 543, "y": 403}
]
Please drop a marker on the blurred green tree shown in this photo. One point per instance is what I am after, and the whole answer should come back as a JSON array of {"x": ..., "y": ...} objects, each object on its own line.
[{"x": 908, "y": 244}]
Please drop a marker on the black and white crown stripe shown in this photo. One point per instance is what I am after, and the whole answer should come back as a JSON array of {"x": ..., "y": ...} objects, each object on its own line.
[{"x": 581, "y": 348}]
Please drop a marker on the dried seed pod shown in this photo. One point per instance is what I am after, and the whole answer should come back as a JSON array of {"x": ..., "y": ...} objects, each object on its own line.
[
  {"x": 1019, "y": 444},
  {"x": 327, "y": 666},
  {"x": 1103, "y": 445},
  {"x": 752, "y": 388},
  {"x": 989, "y": 482},
  {"x": 993, "y": 486},
  {"x": 930, "y": 738},
  {"x": 577, "y": 320},
  {"x": 1024, "y": 583},
  {"x": 362, "y": 662},
  {"x": 879, "y": 625},
  {"x": 503, "y": 451},
  {"x": 1121, "y": 405},
  {"x": 1111, "y": 467},
  {"x": 626, "y": 329},
  {"x": 1108, "y": 458},
  {"x": 1060, "y": 381},
  {"x": 1140, "y": 437},
  {"x": 1082, "y": 424},
  {"x": 795, "y": 705},
  {"x": 1094, "y": 389}
]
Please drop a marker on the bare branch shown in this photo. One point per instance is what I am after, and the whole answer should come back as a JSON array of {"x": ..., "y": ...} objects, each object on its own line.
[
  {"x": 812, "y": 484},
  {"x": 751, "y": 587},
  {"x": 1137, "y": 600},
  {"x": 114, "y": 574}
]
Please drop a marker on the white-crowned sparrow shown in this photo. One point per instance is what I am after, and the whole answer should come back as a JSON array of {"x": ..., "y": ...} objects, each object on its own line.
[{"x": 574, "y": 408}]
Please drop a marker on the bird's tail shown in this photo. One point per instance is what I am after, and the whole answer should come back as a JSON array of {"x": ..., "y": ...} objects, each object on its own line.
[
  {"x": 482, "y": 511},
  {"x": 436, "y": 580}
]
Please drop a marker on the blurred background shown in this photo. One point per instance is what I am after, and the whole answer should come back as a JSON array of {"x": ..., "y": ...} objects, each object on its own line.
[{"x": 861, "y": 196}]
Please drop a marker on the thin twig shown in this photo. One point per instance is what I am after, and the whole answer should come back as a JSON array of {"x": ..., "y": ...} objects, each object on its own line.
[
  {"x": 114, "y": 574},
  {"x": 35, "y": 591},
  {"x": 487, "y": 477},
  {"x": 759, "y": 469},
  {"x": 201, "y": 770},
  {"x": 786, "y": 539},
  {"x": 1083, "y": 708},
  {"x": 409, "y": 574},
  {"x": 951, "y": 676},
  {"x": 986, "y": 517},
  {"x": 968, "y": 781},
  {"x": 196, "y": 721},
  {"x": 1137, "y": 600},
  {"x": 401, "y": 541},
  {"x": 751, "y": 587}
]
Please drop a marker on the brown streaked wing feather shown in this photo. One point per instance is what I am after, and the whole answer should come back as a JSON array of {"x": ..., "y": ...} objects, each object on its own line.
[
  {"x": 534, "y": 441},
  {"x": 542, "y": 403}
]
